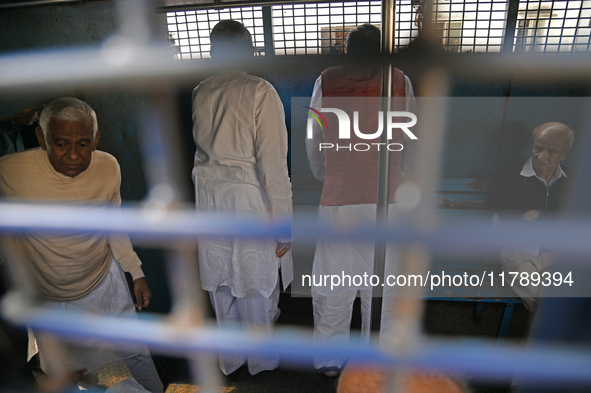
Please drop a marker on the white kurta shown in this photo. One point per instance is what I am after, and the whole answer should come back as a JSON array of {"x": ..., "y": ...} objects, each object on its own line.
[
  {"x": 336, "y": 257},
  {"x": 241, "y": 167}
]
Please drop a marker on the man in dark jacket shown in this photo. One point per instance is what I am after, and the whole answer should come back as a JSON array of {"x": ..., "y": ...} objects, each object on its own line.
[{"x": 535, "y": 194}]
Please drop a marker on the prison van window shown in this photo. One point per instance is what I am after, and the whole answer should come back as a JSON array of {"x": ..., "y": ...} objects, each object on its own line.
[{"x": 462, "y": 25}]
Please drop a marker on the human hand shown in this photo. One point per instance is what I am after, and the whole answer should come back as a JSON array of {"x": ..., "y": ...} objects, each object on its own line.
[
  {"x": 531, "y": 215},
  {"x": 58, "y": 383},
  {"x": 282, "y": 249},
  {"x": 142, "y": 293}
]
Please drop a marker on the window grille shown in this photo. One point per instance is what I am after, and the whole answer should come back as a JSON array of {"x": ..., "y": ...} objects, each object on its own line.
[
  {"x": 463, "y": 25},
  {"x": 553, "y": 26},
  {"x": 189, "y": 30},
  {"x": 319, "y": 28},
  {"x": 471, "y": 25}
]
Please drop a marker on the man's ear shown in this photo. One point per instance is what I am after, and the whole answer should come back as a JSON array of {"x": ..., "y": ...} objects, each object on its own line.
[
  {"x": 40, "y": 138},
  {"x": 96, "y": 140}
]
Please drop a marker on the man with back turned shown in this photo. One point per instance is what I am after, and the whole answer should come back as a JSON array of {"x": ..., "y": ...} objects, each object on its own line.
[
  {"x": 350, "y": 183},
  {"x": 241, "y": 168}
]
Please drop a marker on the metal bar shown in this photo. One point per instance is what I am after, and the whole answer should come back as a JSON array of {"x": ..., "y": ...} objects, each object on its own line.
[
  {"x": 135, "y": 22},
  {"x": 384, "y": 159},
  {"x": 131, "y": 66},
  {"x": 511, "y": 24},
  {"x": 174, "y": 226},
  {"x": 535, "y": 364},
  {"x": 268, "y": 31},
  {"x": 9, "y": 6},
  {"x": 505, "y": 323},
  {"x": 228, "y": 4},
  {"x": 407, "y": 310}
]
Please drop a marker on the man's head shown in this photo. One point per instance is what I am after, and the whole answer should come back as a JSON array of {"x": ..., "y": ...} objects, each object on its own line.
[
  {"x": 68, "y": 131},
  {"x": 552, "y": 144},
  {"x": 230, "y": 40},
  {"x": 364, "y": 41}
]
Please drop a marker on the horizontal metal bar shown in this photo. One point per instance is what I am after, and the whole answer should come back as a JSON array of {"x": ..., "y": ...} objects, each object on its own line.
[
  {"x": 533, "y": 364},
  {"x": 119, "y": 63},
  {"x": 569, "y": 237},
  {"x": 141, "y": 222},
  {"x": 228, "y": 4},
  {"x": 16, "y": 5}
]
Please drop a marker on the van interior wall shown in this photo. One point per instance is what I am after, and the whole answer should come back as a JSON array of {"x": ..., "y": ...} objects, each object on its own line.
[
  {"x": 472, "y": 152},
  {"x": 469, "y": 152}
]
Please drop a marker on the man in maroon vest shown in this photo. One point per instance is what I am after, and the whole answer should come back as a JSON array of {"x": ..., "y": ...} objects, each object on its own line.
[{"x": 349, "y": 171}]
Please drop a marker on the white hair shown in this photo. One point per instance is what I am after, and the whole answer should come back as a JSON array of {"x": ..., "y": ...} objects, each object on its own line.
[
  {"x": 570, "y": 137},
  {"x": 70, "y": 109}
]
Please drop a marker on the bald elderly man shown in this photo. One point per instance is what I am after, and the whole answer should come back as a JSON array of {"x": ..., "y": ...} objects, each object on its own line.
[{"x": 534, "y": 192}]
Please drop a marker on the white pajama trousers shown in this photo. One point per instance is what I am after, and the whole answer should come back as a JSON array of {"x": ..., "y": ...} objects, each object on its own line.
[
  {"x": 521, "y": 261},
  {"x": 110, "y": 297},
  {"x": 144, "y": 372},
  {"x": 332, "y": 320},
  {"x": 254, "y": 310}
]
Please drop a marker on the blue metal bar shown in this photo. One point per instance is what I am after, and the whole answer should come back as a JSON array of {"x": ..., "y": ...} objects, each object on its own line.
[
  {"x": 569, "y": 237},
  {"x": 120, "y": 63},
  {"x": 534, "y": 364},
  {"x": 505, "y": 322},
  {"x": 513, "y": 300}
]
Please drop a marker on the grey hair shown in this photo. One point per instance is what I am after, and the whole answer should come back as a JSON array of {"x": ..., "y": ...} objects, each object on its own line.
[
  {"x": 70, "y": 109},
  {"x": 570, "y": 137}
]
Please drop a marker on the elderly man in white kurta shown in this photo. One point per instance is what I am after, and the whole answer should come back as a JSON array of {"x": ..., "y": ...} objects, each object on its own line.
[
  {"x": 241, "y": 167},
  {"x": 81, "y": 272},
  {"x": 349, "y": 191}
]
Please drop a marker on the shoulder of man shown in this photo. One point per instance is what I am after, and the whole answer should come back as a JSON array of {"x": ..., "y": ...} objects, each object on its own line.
[
  {"x": 257, "y": 85},
  {"x": 231, "y": 79},
  {"x": 568, "y": 171},
  {"x": 12, "y": 162},
  {"x": 334, "y": 71},
  {"x": 105, "y": 161},
  {"x": 257, "y": 80},
  {"x": 17, "y": 169}
]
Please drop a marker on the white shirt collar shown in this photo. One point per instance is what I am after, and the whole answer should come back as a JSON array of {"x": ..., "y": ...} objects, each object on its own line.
[{"x": 528, "y": 171}]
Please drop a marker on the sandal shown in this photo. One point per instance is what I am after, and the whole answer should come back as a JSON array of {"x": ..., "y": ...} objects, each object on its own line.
[{"x": 329, "y": 372}]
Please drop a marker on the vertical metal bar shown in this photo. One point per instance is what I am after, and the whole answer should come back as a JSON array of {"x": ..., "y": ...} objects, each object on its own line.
[
  {"x": 160, "y": 142},
  {"x": 388, "y": 17},
  {"x": 268, "y": 31},
  {"x": 205, "y": 370},
  {"x": 433, "y": 112},
  {"x": 505, "y": 322},
  {"x": 512, "y": 12},
  {"x": 576, "y": 34},
  {"x": 136, "y": 20}
]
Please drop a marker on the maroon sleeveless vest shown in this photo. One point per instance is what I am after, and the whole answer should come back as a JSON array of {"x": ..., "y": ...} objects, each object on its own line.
[{"x": 351, "y": 177}]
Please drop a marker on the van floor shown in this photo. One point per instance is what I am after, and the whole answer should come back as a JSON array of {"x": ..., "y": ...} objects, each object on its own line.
[{"x": 442, "y": 319}]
